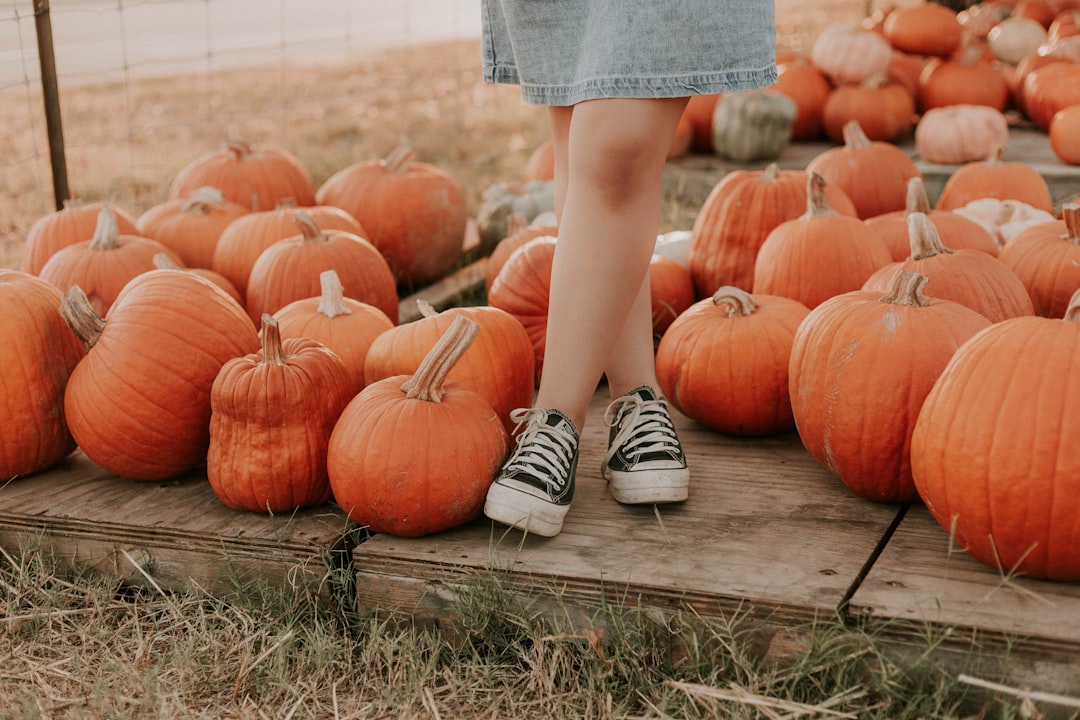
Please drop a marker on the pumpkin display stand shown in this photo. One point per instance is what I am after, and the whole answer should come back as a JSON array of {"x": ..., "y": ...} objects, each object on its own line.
[{"x": 692, "y": 177}]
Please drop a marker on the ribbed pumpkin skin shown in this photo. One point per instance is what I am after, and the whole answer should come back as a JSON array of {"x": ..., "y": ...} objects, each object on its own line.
[
  {"x": 506, "y": 247},
  {"x": 522, "y": 288},
  {"x": 75, "y": 223},
  {"x": 500, "y": 364},
  {"x": 415, "y": 213},
  {"x": 995, "y": 179},
  {"x": 257, "y": 177},
  {"x": 1046, "y": 258},
  {"x": 191, "y": 227},
  {"x": 245, "y": 238},
  {"x": 994, "y": 452},
  {"x": 957, "y": 233},
  {"x": 138, "y": 404},
  {"x": 270, "y": 426},
  {"x": 37, "y": 354},
  {"x": 860, "y": 370},
  {"x": 739, "y": 213},
  {"x": 729, "y": 371}
]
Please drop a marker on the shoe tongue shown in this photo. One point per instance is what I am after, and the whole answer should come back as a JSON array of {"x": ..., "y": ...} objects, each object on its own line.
[
  {"x": 556, "y": 419},
  {"x": 644, "y": 392}
]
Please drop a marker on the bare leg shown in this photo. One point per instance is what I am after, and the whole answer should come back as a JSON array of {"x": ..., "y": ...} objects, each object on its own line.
[{"x": 615, "y": 155}]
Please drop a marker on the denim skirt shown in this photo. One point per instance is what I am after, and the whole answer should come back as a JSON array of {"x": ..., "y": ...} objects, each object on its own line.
[{"x": 562, "y": 52}]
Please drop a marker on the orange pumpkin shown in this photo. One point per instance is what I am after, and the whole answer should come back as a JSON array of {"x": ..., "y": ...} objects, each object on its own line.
[
  {"x": 415, "y": 213},
  {"x": 104, "y": 264},
  {"x": 37, "y": 355},
  {"x": 1046, "y": 258},
  {"x": 994, "y": 453},
  {"x": 523, "y": 287},
  {"x": 272, "y": 413},
  {"x": 254, "y": 176},
  {"x": 289, "y": 270},
  {"x": 138, "y": 403},
  {"x": 244, "y": 239},
  {"x": 819, "y": 254},
  {"x": 1065, "y": 134},
  {"x": 956, "y": 231},
  {"x": 998, "y": 179},
  {"x": 518, "y": 233},
  {"x": 163, "y": 261},
  {"x": 724, "y": 362},
  {"x": 412, "y": 456},
  {"x": 970, "y": 277},
  {"x": 699, "y": 112},
  {"x": 861, "y": 366},
  {"x": 964, "y": 79},
  {"x": 1047, "y": 89},
  {"x": 60, "y": 228},
  {"x": 874, "y": 174},
  {"x": 924, "y": 29},
  {"x": 541, "y": 164},
  {"x": 347, "y": 326},
  {"x": 192, "y": 226},
  {"x": 883, "y": 109},
  {"x": 726, "y": 236},
  {"x": 671, "y": 291},
  {"x": 800, "y": 80}
]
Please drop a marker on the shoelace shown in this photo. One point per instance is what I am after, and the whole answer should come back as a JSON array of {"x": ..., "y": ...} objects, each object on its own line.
[
  {"x": 542, "y": 452},
  {"x": 644, "y": 426}
]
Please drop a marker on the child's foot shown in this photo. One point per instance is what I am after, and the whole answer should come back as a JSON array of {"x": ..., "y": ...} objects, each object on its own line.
[
  {"x": 533, "y": 490},
  {"x": 645, "y": 462}
]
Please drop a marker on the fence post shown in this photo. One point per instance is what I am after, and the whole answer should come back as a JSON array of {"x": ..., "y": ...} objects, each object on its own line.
[{"x": 51, "y": 95}]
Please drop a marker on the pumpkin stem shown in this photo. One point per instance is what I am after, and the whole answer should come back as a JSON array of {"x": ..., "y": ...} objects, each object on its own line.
[
  {"x": 770, "y": 173},
  {"x": 272, "y": 351},
  {"x": 399, "y": 159},
  {"x": 107, "y": 232},
  {"x": 81, "y": 317},
  {"x": 163, "y": 262},
  {"x": 740, "y": 303},
  {"x": 1072, "y": 312},
  {"x": 854, "y": 136},
  {"x": 309, "y": 228},
  {"x": 917, "y": 201},
  {"x": 285, "y": 203},
  {"x": 924, "y": 237},
  {"x": 427, "y": 382},
  {"x": 875, "y": 81},
  {"x": 907, "y": 289},
  {"x": 817, "y": 200},
  {"x": 426, "y": 308},
  {"x": 994, "y": 159},
  {"x": 239, "y": 146},
  {"x": 203, "y": 201},
  {"x": 1070, "y": 213},
  {"x": 332, "y": 299}
]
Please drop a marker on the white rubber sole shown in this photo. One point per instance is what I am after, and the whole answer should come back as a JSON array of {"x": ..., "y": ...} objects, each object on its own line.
[
  {"x": 650, "y": 486},
  {"x": 524, "y": 511}
]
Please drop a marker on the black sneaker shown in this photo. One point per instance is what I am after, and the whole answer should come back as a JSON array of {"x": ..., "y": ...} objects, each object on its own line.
[
  {"x": 645, "y": 462},
  {"x": 533, "y": 490}
]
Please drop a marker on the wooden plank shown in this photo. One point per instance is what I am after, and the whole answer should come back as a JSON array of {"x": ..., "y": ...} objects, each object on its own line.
[
  {"x": 765, "y": 528},
  {"x": 922, "y": 584},
  {"x": 176, "y": 532}
]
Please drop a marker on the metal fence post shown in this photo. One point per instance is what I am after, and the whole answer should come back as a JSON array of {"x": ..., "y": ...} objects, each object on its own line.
[{"x": 51, "y": 96}]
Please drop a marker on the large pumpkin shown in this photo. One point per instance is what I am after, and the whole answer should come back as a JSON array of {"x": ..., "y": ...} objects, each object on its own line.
[
  {"x": 192, "y": 226},
  {"x": 960, "y": 133},
  {"x": 272, "y": 413},
  {"x": 138, "y": 404},
  {"x": 924, "y": 28},
  {"x": 994, "y": 452},
  {"x": 518, "y": 233},
  {"x": 414, "y": 212},
  {"x": 415, "y": 455},
  {"x": 724, "y": 362},
  {"x": 255, "y": 176},
  {"x": 1046, "y": 258},
  {"x": 523, "y": 287},
  {"x": 998, "y": 179},
  {"x": 75, "y": 223},
  {"x": 861, "y": 366},
  {"x": 37, "y": 355},
  {"x": 885, "y": 110}
]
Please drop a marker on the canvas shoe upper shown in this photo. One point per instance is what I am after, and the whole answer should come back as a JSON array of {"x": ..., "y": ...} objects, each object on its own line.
[{"x": 645, "y": 461}]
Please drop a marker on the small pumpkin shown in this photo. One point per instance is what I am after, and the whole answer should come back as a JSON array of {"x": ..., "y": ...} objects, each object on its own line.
[
  {"x": 37, "y": 356},
  {"x": 1065, "y": 134},
  {"x": 993, "y": 453},
  {"x": 963, "y": 79},
  {"x": 874, "y": 174},
  {"x": 807, "y": 86},
  {"x": 104, "y": 264},
  {"x": 849, "y": 55},
  {"x": 415, "y": 455},
  {"x": 699, "y": 113},
  {"x": 1015, "y": 37},
  {"x": 254, "y": 176},
  {"x": 972, "y": 278},
  {"x": 925, "y": 28},
  {"x": 191, "y": 226},
  {"x": 523, "y": 287},
  {"x": 272, "y": 413},
  {"x": 1046, "y": 258},
  {"x": 541, "y": 163},
  {"x": 74, "y": 223},
  {"x": 502, "y": 201},
  {"x": 724, "y": 362},
  {"x": 1048, "y": 89},
  {"x": 138, "y": 403},
  {"x": 861, "y": 365},
  {"x": 753, "y": 125},
  {"x": 518, "y": 233},
  {"x": 1003, "y": 219},
  {"x": 960, "y": 133},
  {"x": 994, "y": 177},
  {"x": 290, "y": 270},
  {"x": 885, "y": 110},
  {"x": 346, "y": 326},
  {"x": 671, "y": 291}
]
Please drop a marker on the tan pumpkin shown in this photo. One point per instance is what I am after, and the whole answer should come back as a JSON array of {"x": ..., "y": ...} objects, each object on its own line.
[
  {"x": 271, "y": 415},
  {"x": 415, "y": 455},
  {"x": 1046, "y": 258},
  {"x": 849, "y": 55},
  {"x": 724, "y": 362},
  {"x": 75, "y": 223},
  {"x": 37, "y": 356},
  {"x": 957, "y": 134},
  {"x": 192, "y": 226},
  {"x": 290, "y": 269},
  {"x": 970, "y": 277},
  {"x": 346, "y": 326}
]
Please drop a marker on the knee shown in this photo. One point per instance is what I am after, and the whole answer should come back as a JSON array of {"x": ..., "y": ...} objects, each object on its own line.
[{"x": 620, "y": 166}]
